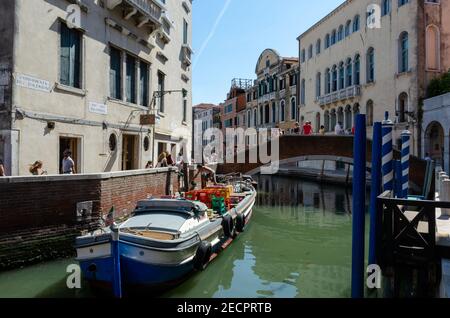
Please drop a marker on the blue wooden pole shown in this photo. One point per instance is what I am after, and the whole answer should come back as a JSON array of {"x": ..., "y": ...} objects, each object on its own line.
[
  {"x": 406, "y": 151},
  {"x": 375, "y": 192},
  {"x": 398, "y": 182},
  {"x": 387, "y": 154},
  {"x": 359, "y": 207},
  {"x": 115, "y": 252}
]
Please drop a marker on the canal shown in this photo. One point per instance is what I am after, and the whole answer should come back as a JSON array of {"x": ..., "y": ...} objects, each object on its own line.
[{"x": 297, "y": 245}]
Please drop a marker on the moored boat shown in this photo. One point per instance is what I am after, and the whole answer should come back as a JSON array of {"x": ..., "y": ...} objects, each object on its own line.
[{"x": 164, "y": 240}]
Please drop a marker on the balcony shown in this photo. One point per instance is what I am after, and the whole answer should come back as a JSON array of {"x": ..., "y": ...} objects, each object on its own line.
[
  {"x": 343, "y": 94},
  {"x": 146, "y": 12},
  {"x": 187, "y": 54}
]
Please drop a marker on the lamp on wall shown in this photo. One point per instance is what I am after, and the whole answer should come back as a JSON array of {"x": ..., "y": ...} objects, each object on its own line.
[{"x": 51, "y": 125}]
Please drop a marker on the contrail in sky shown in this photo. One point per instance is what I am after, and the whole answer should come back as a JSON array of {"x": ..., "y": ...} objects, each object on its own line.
[{"x": 212, "y": 32}]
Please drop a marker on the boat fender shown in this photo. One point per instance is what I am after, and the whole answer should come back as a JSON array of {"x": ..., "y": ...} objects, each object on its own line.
[
  {"x": 203, "y": 255},
  {"x": 240, "y": 223},
  {"x": 228, "y": 226}
]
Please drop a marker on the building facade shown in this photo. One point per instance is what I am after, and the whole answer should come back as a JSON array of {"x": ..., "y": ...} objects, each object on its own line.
[
  {"x": 371, "y": 57},
  {"x": 233, "y": 108},
  {"x": 273, "y": 99},
  {"x": 204, "y": 115},
  {"x": 83, "y": 83}
]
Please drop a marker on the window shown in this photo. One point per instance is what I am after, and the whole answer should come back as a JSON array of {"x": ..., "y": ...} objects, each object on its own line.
[
  {"x": 327, "y": 41},
  {"x": 349, "y": 73},
  {"x": 341, "y": 76},
  {"x": 228, "y": 123},
  {"x": 255, "y": 117},
  {"x": 229, "y": 109},
  {"x": 402, "y": 107},
  {"x": 357, "y": 79},
  {"x": 318, "y": 84},
  {"x": 70, "y": 58},
  {"x": 282, "y": 111},
  {"x": 386, "y": 7},
  {"x": 370, "y": 65},
  {"x": 267, "y": 114},
  {"x": 303, "y": 92},
  {"x": 402, "y": 2},
  {"x": 274, "y": 112},
  {"x": 318, "y": 46},
  {"x": 433, "y": 53},
  {"x": 356, "y": 24},
  {"x": 249, "y": 120},
  {"x": 185, "y": 32},
  {"x": 161, "y": 88},
  {"x": 334, "y": 79},
  {"x": 115, "y": 74},
  {"x": 333, "y": 37},
  {"x": 131, "y": 79},
  {"x": 369, "y": 113},
  {"x": 340, "y": 35},
  {"x": 348, "y": 27},
  {"x": 403, "y": 52},
  {"x": 310, "y": 52},
  {"x": 293, "y": 108},
  {"x": 293, "y": 79},
  {"x": 327, "y": 81},
  {"x": 143, "y": 83},
  {"x": 185, "y": 106},
  {"x": 326, "y": 121},
  {"x": 303, "y": 55}
]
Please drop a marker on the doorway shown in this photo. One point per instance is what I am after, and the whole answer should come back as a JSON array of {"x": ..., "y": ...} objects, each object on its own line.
[
  {"x": 72, "y": 144},
  {"x": 129, "y": 152}
]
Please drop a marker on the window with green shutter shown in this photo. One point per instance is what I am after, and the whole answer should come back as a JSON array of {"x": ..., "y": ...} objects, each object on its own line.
[
  {"x": 70, "y": 57},
  {"x": 115, "y": 74},
  {"x": 143, "y": 83},
  {"x": 131, "y": 79}
]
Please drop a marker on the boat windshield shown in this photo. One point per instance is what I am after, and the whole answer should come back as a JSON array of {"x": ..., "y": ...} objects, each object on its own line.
[{"x": 165, "y": 221}]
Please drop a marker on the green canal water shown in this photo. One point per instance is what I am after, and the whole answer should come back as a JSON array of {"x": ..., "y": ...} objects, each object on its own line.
[{"x": 297, "y": 245}]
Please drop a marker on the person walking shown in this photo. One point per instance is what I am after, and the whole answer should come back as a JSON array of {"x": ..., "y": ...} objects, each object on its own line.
[
  {"x": 68, "y": 165},
  {"x": 307, "y": 129},
  {"x": 338, "y": 129},
  {"x": 322, "y": 130},
  {"x": 2, "y": 169},
  {"x": 36, "y": 168}
]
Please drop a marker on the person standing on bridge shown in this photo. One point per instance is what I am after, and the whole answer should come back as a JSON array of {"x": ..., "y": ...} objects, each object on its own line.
[
  {"x": 307, "y": 129},
  {"x": 338, "y": 130}
]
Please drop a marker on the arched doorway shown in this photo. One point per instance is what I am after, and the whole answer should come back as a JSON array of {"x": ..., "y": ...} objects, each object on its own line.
[
  {"x": 318, "y": 123},
  {"x": 434, "y": 142},
  {"x": 348, "y": 117}
]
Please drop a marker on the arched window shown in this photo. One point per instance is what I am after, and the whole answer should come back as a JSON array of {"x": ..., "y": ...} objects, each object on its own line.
[
  {"x": 348, "y": 28},
  {"x": 356, "y": 111},
  {"x": 340, "y": 35},
  {"x": 326, "y": 120},
  {"x": 327, "y": 81},
  {"x": 341, "y": 76},
  {"x": 402, "y": 107},
  {"x": 274, "y": 112},
  {"x": 356, "y": 23},
  {"x": 303, "y": 56},
  {"x": 249, "y": 119},
  {"x": 327, "y": 41},
  {"x": 349, "y": 73},
  {"x": 318, "y": 122},
  {"x": 332, "y": 119},
  {"x": 370, "y": 65},
  {"x": 403, "y": 52},
  {"x": 261, "y": 115},
  {"x": 318, "y": 84},
  {"x": 386, "y": 7},
  {"x": 282, "y": 111},
  {"x": 340, "y": 116},
  {"x": 369, "y": 113},
  {"x": 318, "y": 46},
  {"x": 433, "y": 54},
  {"x": 310, "y": 52},
  {"x": 293, "y": 108},
  {"x": 333, "y": 37},
  {"x": 255, "y": 117},
  {"x": 357, "y": 77},
  {"x": 348, "y": 117},
  {"x": 303, "y": 92},
  {"x": 334, "y": 76}
]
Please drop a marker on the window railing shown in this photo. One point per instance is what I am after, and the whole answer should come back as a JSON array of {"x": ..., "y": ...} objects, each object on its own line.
[
  {"x": 149, "y": 8},
  {"x": 346, "y": 93}
]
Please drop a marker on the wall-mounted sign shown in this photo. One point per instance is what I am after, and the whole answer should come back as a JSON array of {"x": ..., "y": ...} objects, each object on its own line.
[
  {"x": 147, "y": 120},
  {"x": 32, "y": 83},
  {"x": 97, "y": 108}
]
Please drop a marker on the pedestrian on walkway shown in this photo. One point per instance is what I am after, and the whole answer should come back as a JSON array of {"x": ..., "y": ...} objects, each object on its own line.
[
  {"x": 307, "y": 129},
  {"x": 2, "y": 169},
  {"x": 338, "y": 129},
  {"x": 36, "y": 169},
  {"x": 322, "y": 130},
  {"x": 297, "y": 129},
  {"x": 68, "y": 165}
]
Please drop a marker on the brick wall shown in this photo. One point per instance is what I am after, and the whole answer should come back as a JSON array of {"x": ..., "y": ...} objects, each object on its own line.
[{"x": 38, "y": 219}]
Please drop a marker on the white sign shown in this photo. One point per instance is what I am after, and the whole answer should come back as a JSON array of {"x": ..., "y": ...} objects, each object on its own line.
[
  {"x": 73, "y": 17},
  {"x": 32, "y": 83},
  {"x": 98, "y": 108}
]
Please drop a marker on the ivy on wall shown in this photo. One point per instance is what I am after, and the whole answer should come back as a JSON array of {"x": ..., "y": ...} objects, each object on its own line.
[{"x": 439, "y": 85}]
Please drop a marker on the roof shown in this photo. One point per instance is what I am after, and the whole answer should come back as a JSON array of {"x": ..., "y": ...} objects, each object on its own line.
[{"x": 204, "y": 106}]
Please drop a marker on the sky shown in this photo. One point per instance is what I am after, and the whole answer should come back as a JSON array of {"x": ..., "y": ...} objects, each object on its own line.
[{"x": 230, "y": 35}]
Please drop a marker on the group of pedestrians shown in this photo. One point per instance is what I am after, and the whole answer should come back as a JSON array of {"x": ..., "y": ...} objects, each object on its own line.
[{"x": 307, "y": 129}]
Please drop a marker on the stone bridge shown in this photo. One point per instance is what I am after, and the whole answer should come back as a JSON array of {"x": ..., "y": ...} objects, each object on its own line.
[{"x": 294, "y": 148}]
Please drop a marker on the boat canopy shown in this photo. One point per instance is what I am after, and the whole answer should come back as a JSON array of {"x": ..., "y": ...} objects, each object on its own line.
[{"x": 175, "y": 205}]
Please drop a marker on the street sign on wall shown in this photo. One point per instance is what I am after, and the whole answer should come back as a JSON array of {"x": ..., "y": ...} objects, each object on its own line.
[{"x": 147, "y": 120}]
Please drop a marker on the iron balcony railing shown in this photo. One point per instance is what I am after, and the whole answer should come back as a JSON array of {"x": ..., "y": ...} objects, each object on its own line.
[
  {"x": 343, "y": 94},
  {"x": 149, "y": 9}
]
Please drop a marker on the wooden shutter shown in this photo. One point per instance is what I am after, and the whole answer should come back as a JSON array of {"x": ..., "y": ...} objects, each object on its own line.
[
  {"x": 115, "y": 74},
  {"x": 65, "y": 55}
]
